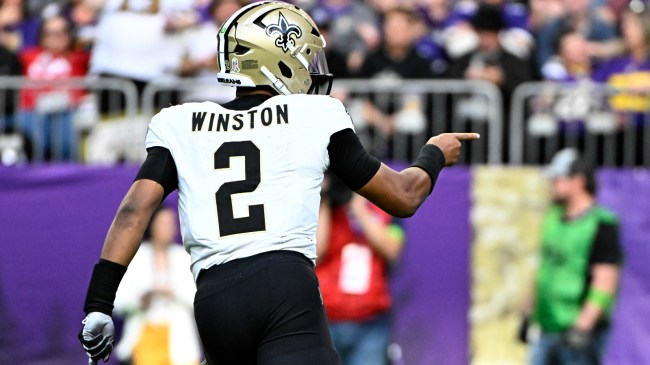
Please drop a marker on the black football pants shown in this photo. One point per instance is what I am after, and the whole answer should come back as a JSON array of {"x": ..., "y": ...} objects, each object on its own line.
[{"x": 263, "y": 310}]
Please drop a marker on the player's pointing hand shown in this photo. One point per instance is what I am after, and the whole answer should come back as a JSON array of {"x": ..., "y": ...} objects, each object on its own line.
[
  {"x": 450, "y": 144},
  {"x": 466, "y": 136}
]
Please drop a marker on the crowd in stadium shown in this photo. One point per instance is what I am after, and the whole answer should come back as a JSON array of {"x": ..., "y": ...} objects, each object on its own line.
[{"x": 503, "y": 42}]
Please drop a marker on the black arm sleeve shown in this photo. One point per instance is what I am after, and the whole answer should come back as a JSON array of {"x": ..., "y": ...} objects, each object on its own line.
[
  {"x": 159, "y": 167},
  {"x": 606, "y": 248},
  {"x": 350, "y": 161}
]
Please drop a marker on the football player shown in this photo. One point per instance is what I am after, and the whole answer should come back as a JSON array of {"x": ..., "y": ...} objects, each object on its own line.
[{"x": 248, "y": 175}]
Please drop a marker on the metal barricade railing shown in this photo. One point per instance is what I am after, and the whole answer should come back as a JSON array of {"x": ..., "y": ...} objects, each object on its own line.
[
  {"x": 165, "y": 92},
  {"x": 609, "y": 126},
  {"x": 445, "y": 105},
  {"x": 416, "y": 110},
  {"x": 51, "y": 115}
]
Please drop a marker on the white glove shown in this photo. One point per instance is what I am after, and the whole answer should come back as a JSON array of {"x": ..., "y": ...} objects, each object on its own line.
[{"x": 97, "y": 336}]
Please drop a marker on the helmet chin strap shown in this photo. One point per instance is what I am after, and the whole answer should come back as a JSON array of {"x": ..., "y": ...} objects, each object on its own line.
[{"x": 277, "y": 83}]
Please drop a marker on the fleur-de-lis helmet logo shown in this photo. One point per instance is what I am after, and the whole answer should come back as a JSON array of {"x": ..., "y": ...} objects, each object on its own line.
[{"x": 286, "y": 33}]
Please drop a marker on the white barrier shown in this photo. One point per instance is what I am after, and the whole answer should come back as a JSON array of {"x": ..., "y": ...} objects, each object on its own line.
[
  {"x": 418, "y": 109},
  {"x": 52, "y": 115},
  {"x": 609, "y": 126}
]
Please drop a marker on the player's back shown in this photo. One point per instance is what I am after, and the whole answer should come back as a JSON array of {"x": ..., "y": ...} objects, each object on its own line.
[{"x": 249, "y": 176}]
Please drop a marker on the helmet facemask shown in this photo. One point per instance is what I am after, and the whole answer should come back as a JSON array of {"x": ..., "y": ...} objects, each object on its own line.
[{"x": 321, "y": 78}]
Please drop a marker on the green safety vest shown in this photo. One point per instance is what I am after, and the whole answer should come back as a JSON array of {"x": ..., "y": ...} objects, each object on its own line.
[{"x": 562, "y": 278}]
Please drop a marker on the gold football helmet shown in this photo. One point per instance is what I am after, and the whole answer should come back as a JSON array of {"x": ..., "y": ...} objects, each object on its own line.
[{"x": 275, "y": 44}]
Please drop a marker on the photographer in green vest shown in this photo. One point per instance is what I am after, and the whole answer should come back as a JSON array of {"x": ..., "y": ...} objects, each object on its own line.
[{"x": 579, "y": 268}]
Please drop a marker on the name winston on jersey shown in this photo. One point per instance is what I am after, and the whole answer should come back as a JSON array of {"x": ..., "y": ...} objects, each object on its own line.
[{"x": 209, "y": 122}]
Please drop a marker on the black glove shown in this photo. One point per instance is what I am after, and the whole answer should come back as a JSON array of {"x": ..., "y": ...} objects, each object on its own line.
[
  {"x": 577, "y": 339},
  {"x": 97, "y": 336}
]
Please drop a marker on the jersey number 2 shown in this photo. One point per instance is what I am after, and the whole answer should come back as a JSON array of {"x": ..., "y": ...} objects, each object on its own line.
[{"x": 228, "y": 224}]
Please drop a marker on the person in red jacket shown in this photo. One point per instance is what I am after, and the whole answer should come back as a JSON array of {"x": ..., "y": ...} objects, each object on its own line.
[
  {"x": 356, "y": 243},
  {"x": 46, "y": 112}
]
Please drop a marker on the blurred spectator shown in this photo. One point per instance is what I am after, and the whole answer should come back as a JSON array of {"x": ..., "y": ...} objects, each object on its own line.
[
  {"x": 83, "y": 15},
  {"x": 629, "y": 76},
  {"x": 46, "y": 112},
  {"x": 631, "y": 72},
  {"x": 437, "y": 16},
  {"x": 451, "y": 35},
  {"x": 34, "y": 11},
  {"x": 156, "y": 300},
  {"x": 200, "y": 55},
  {"x": 396, "y": 59},
  {"x": 383, "y": 6},
  {"x": 618, "y": 7},
  {"x": 514, "y": 13},
  {"x": 571, "y": 62},
  {"x": 579, "y": 271},
  {"x": 544, "y": 11},
  {"x": 457, "y": 36},
  {"x": 565, "y": 109},
  {"x": 356, "y": 242},
  {"x": 152, "y": 52},
  {"x": 580, "y": 16},
  {"x": 515, "y": 35},
  {"x": 9, "y": 66},
  {"x": 353, "y": 26},
  {"x": 204, "y": 8},
  {"x": 396, "y": 56},
  {"x": 13, "y": 146},
  {"x": 490, "y": 62},
  {"x": 12, "y": 13},
  {"x": 336, "y": 61}
]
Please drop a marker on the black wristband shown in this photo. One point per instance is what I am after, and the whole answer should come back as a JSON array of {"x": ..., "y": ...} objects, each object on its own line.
[
  {"x": 431, "y": 160},
  {"x": 103, "y": 286}
]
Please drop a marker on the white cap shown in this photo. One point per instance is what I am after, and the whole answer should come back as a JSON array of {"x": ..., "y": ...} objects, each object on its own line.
[{"x": 562, "y": 164}]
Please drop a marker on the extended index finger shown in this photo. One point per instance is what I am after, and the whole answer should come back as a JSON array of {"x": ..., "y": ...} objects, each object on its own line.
[{"x": 466, "y": 136}]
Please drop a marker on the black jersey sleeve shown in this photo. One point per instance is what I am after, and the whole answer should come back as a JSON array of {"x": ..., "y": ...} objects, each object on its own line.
[
  {"x": 349, "y": 161},
  {"x": 159, "y": 167},
  {"x": 606, "y": 248}
]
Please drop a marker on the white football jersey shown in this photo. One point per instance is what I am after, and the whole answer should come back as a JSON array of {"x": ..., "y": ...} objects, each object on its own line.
[{"x": 249, "y": 181}]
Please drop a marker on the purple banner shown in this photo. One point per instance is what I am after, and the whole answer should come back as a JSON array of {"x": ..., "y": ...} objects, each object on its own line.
[
  {"x": 54, "y": 219},
  {"x": 628, "y": 194},
  {"x": 431, "y": 283},
  {"x": 52, "y": 226}
]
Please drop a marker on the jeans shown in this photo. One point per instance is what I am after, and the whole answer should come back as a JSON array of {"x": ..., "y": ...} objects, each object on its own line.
[
  {"x": 52, "y": 135},
  {"x": 363, "y": 342},
  {"x": 549, "y": 350}
]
